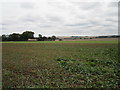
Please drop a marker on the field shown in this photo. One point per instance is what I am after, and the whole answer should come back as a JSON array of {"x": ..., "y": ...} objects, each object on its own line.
[
  {"x": 82, "y": 41},
  {"x": 60, "y": 64}
]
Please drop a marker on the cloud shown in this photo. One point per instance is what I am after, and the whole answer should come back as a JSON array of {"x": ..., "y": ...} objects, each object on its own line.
[
  {"x": 88, "y": 5},
  {"x": 60, "y": 17},
  {"x": 27, "y": 5},
  {"x": 113, "y": 4},
  {"x": 79, "y": 24}
]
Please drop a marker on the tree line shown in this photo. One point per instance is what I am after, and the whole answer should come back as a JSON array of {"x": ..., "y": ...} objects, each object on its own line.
[
  {"x": 25, "y": 36},
  {"x": 111, "y": 36}
]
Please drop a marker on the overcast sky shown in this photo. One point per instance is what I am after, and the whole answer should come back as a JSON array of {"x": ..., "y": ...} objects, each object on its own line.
[{"x": 59, "y": 17}]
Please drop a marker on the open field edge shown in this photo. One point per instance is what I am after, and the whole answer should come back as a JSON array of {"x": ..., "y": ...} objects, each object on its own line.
[{"x": 112, "y": 42}]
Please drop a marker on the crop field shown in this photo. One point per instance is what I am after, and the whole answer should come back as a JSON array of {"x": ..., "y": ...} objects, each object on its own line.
[
  {"x": 85, "y": 41},
  {"x": 60, "y": 65}
]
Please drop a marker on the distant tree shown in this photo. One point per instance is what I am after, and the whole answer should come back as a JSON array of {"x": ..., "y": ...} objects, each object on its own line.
[
  {"x": 27, "y": 35},
  {"x": 44, "y": 38},
  {"x": 14, "y": 37},
  {"x": 49, "y": 38},
  {"x": 0, "y": 38},
  {"x": 40, "y": 35},
  {"x": 40, "y": 38},
  {"x": 53, "y": 38},
  {"x": 4, "y": 38}
]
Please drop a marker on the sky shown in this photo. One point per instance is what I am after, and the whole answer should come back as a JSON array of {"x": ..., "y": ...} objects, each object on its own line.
[{"x": 59, "y": 17}]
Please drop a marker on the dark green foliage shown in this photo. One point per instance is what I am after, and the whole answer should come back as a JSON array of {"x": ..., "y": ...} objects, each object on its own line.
[
  {"x": 44, "y": 38},
  {"x": 18, "y": 37},
  {"x": 102, "y": 70},
  {"x": 40, "y": 37},
  {"x": 53, "y": 38},
  {"x": 4, "y": 38},
  {"x": 49, "y": 39},
  {"x": 27, "y": 35},
  {"x": 14, "y": 37}
]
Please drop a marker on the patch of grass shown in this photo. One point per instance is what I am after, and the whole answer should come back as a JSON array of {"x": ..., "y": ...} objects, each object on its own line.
[{"x": 114, "y": 41}]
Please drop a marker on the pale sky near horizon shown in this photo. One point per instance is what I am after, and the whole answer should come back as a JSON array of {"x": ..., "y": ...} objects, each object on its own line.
[{"x": 59, "y": 17}]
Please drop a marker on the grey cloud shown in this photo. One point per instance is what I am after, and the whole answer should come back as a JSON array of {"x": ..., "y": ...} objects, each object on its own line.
[
  {"x": 38, "y": 21},
  {"x": 54, "y": 19},
  {"x": 4, "y": 24},
  {"x": 81, "y": 24},
  {"x": 43, "y": 26},
  {"x": 115, "y": 13},
  {"x": 28, "y": 19},
  {"x": 4, "y": 28},
  {"x": 107, "y": 25},
  {"x": 88, "y": 5},
  {"x": 111, "y": 20},
  {"x": 113, "y": 4},
  {"x": 31, "y": 18},
  {"x": 8, "y": 22},
  {"x": 27, "y": 5}
]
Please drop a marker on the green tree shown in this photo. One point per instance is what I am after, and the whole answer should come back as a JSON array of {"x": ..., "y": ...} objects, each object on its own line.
[
  {"x": 40, "y": 38},
  {"x": 53, "y": 38},
  {"x": 14, "y": 37},
  {"x": 49, "y": 38},
  {"x": 27, "y": 35},
  {"x": 4, "y": 38},
  {"x": 44, "y": 38},
  {"x": 40, "y": 35}
]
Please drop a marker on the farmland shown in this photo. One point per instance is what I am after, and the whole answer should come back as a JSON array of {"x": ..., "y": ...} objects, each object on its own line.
[
  {"x": 60, "y": 64},
  {"x": 84, "y": 41}
]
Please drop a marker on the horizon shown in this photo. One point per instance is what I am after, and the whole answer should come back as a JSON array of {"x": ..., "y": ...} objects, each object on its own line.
[{"x": 36, "y": 35}]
